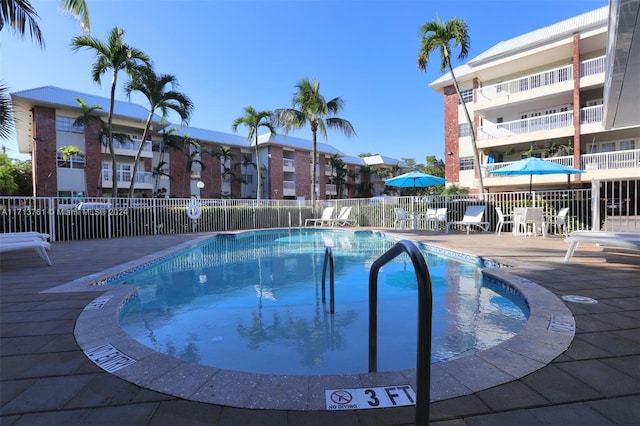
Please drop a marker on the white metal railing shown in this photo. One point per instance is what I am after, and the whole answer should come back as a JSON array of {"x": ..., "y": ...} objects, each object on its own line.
[
  {"x": 618, "y": 203},
  {"x": 530, "y": 82},
  {"x": 141, "y": 177},
  {"x": 286, "y": 162},
  {"x": 592, "y": 66},
  {"x": 611, "y": 160},
  {"x": 592, "y": 114},
  {"x": 564, "y": 160},
  {"x": 133, "y": 145},
  {"x": 288, "y": 184},
  {"x": 527, "y": 125}
]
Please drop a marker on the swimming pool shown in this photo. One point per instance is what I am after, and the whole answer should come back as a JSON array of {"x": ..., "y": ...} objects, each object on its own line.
[{"x": 251, "y": 302}]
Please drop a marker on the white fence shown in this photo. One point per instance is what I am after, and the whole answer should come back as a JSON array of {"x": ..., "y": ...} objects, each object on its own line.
[{"x": 615, "y": 207}]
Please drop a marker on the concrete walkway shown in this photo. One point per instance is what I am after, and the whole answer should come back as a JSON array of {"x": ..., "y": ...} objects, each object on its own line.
[{"x": 47, "y": 379}]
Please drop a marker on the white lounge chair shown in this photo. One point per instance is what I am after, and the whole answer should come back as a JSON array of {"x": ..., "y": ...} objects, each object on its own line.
[
  {"x": 327, "y": 215},
  {"x": 36, "y": 244},
  {"x": 629, "y": 240},
  {"x": 5, "y": 236},
  {"x": 472, "y": 217},
  {"x": 343, "y": 218}
]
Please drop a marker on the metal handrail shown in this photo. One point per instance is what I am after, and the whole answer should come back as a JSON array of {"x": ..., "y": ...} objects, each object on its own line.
[
  {"x": 425, "y": 308},
  {"x": 328, "y": 258}
]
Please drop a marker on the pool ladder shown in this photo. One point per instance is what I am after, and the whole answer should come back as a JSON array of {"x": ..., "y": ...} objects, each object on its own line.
[
  {"x": 423, "y": 364},
  {"x": 328, "y": 259}
]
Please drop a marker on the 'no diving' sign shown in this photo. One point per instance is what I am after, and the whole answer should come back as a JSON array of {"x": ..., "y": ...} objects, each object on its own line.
[{"x": 363, "y": 398}]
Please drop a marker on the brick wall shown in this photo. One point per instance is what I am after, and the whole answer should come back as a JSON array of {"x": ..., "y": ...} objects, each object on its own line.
[
  {"x": 93, "y": 157},
  {"x": 44, "y": 152},
  {"x": 276, "y": 175},
  {"x": 303, "y": 174}
]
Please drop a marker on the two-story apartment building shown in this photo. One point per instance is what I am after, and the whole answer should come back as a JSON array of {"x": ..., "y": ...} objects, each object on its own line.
[
  {"x": 541, "y": 94},
  {"x": 213, "y": 165}
]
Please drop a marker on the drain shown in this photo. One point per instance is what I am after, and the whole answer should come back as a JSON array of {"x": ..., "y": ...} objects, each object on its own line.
[{"x": 579, "y": 299}]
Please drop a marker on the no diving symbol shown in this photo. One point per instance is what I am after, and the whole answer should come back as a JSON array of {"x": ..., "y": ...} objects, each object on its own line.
[{"x": 341, "y": 397}]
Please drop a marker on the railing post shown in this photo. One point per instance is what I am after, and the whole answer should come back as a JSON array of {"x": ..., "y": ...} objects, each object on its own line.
[{"x": 328, "y": 258}]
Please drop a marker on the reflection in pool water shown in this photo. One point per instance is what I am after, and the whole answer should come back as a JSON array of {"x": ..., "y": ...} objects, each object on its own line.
[{"x": 252, "y": 302}]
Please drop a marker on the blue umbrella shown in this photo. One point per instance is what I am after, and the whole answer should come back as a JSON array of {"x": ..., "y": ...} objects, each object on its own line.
[
  {"x": 415, "y": 180},
  {"x": 535, "y": 166}
]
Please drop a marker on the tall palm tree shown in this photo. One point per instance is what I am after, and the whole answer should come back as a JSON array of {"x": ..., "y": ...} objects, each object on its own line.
[
  {"x": 88, "y": 115},
  {"x": 154, "y": 88},
  {"x": 20, "y": 15},
  {"x": 253, "y": 119},
  {"x": 319, "y": 114},
  {"x": 170, "y": 140},
  {"x": 436, "y": 35},
  {"x": 114, "y": 55},
  {"x": 193, "y": 157}
]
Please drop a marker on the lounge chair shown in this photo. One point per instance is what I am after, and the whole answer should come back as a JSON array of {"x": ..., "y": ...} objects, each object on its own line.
[
  {"x": 40, "y": 246},
  {"x": 629, "y": 240},
  {"x": 472, "y": 217},
  {"x": 327, "y": 214},
  {"x": 5, "y": 236},
  {"x": 503, "y": 219},
  {"x": 343, "y": 218}
]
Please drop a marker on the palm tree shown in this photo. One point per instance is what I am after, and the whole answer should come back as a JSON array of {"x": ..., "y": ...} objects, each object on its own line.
[
  {"x": 153, "y": 87},
  {"x": 114, "y": 55},
  {"x": 20, "y": 14},
  {"x": 170, "y": 140},
  {"x": 253, "y": 119},
  {"x": 313, "y": 109},
  {"x": 193, "y": 157},
  {"x": 89, "y": 114},
  {"x": 437, "y": 35}
]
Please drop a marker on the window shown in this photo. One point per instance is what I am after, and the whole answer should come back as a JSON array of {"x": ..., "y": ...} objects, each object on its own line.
[
  {"x": 65, "y": 124},
  {"x": 608, "y": 147},
  {"x": 464, "y": 130},
  {"x": 627, "y": 145},
  {"x": 248, "y": 179},
  {"x": 466, "y": 96},
  {"x": 466, "y": 163},
  {"x": 73, "y": 162}
]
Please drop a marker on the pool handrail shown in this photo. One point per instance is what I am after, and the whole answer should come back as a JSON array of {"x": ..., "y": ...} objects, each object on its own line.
[
  {"x": 328, "y": 258},
  {"x": 425, "y": 313}
]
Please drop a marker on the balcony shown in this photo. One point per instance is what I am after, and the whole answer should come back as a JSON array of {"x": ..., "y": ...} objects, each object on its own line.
[
  {"x": 537, "y": 85},
  {"x": 130, "y": 148},
  {"x": 330, "y": 189},
  {"x": 615, "y": 160},
  {"x": 556, "y": 125},
  {"x": 144, "y": 180}
]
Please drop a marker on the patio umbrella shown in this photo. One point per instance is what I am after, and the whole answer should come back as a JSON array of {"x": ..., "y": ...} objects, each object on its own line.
[
  {"x": 415, "y": 180},
  {"x": 535, "y": 166}
]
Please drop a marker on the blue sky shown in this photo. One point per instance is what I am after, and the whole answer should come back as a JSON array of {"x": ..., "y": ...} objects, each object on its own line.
[{"x": 230, "y": 54}]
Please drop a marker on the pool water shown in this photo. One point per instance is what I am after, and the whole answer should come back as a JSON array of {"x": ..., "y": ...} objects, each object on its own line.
[{"x": 252, "y": 302}]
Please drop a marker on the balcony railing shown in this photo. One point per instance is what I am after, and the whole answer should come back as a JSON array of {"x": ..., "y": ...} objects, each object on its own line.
[
  {"x": 133, "y": 145},
  {"x": 286, "y": 162},
  {"x": 611, "y": 160},
  {"x": 592, "y": 114},
  {"x": 528, "y": 125},
  {"x": 141, "y": 177},
  {"x": 565, "y": 161},
  {"x": 524, "y": 84},
  {"x": 592, "y": 66}
]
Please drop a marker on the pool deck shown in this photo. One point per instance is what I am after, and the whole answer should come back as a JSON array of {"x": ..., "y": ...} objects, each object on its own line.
[{"x": 47, "y": 379}]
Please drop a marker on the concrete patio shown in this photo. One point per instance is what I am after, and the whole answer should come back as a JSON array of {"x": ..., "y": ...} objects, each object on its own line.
[{"x": 47, "y": 379}]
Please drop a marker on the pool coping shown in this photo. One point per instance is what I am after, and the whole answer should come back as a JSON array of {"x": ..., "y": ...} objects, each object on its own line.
[{"x": 547, "y": 334}]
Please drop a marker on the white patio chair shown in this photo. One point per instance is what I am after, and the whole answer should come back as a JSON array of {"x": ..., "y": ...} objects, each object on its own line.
[
  {"x": 559, "y": 222},
  {"x": 402, "y": 218},
  {"x": 502, "y": 220},
  {"x": 441, "y": 217}
]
